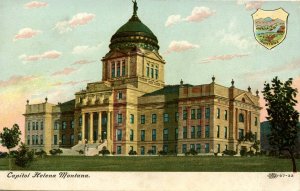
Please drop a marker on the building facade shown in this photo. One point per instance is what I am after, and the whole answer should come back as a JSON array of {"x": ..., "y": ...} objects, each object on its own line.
[{"x": 131, "y": 108}]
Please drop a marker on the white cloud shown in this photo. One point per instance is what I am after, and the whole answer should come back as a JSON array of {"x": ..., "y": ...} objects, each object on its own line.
[
  {"x": 173, "y": 19},
  {"x": 77, "y": 20},
  {"x": 180, "y": 46},
  {"x": 26, "y": 33},
  {"x": 85, "y": 49},
  {"x": 53, "y": 54},
  {"x": 223, "y": 57}
]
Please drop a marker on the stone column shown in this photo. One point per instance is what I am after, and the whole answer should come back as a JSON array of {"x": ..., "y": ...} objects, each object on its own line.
[
  {"x": 83, "y": 128},
  {"x": 99, "y": 125},
  {"x": 108, "y": 125},
  {"x": 91, "y": 128}
]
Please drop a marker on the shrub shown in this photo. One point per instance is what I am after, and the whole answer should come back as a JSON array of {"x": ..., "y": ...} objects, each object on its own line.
[
  {"x": 24, "y": 157},
  {"x": 3, "y": 154},
  {"x": 55, "y": 151},
  {"x": 193, "y": 152},
  {"x": 250, "y": 153},
  {"x": 13, "y": 153},
  {"x": 41, "y": 153},
  {"x": 104, "y": 151},
  {"x": 162, "y": 153},
  {"x": 243, "y": 152},
  {"x": 132, "y": 152},
  {"x": 229, "y": 152},
  {"x": 150, "y": 152},
  {"x": 80, "y": 152}
]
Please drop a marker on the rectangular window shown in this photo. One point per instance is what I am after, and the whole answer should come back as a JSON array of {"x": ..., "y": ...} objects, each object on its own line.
[
  {"x": 72, "y": 139},
  {"x": 166, "y": 117},
  {"x": 225, "y": 132},
  {"x": 42, "y": 125},
  {"x": 119, "y": 150},
  {"x": 184, "y": 114},
  {"x": 153, "y": 134},
  {"x": 156, "y": 73},
  {"x": 33, "y": 141},
  {"x": 256, "y": 121},
  {"x": 113, "y": 70},
  {"x": 176, "y": 116},
  {"x": 199, "y": 113},
  {"x": 152, "y": 73},
  {"x": 165, "y": 148},
  {"x": 55, "y": 140},
  {"x": 148, "y": 71},
  {"x": 226, "y": 147},
  {"x": 207, "y": 113},
  {"x": 56, "y": 125},
  {"x": 72, "y": 124},
  {"x": 80, "y": 121},
  {"x": 183, "y": 148},
  {"x": 218, "y": 113},
  {"x": 123, "y": 68},
  {"x": 118, "y": 69},
  {"x": 28, "y": 126},
  {"x": 192, "y": 146},
  {"x": 33, "y": 125},
  {"x": 198, "y": 148},
  {"x": 176, "y": 133},
  {"x": 142, "y": 135},
  {"x": 131, "y": 134},
  {"x": 143, "y": 119},
  {"x": 63, "y": 139},
  {"x": 28, "y": 139},
  {"x": 206, "y": 147},
  {"x": 193, "y": 114},
  {"x": 207, "y": 131},
  {"x": 241, "y": 133},
  {"x": 36, "y": 139},
  {"x": 166, "y": 134},
  {"x": 41, "y": 140},
  {"x": 154, "y": 150},
  {"x": 153, "y": 118},
  {"x": 218, "y": 148},
  {"x": 198, "y": 131},
  {"x": 64, "y": 125},
  {"x": 119, "y": 134},
  {"x": 184, "y": 135},
  {"x": 193, "y": 132},
  {"x": 225, "y": 114},
  {"x": 36, "y": 125},
  {"x": 119, "y": 95},
  {"x": 119, "y": 117},
  {"x": 142, "y": 150},
  {"x": 218, "y": 131},
  {"x": 131, "y": 118}
]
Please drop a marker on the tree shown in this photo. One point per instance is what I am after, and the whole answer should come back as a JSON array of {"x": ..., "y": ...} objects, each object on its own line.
[
  {"x": 280, "y": 102},
  {"x": 10, "y": 138},
  {"x": 24, "y": 157}
]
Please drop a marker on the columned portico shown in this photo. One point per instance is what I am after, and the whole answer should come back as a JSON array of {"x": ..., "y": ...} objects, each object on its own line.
[
  {"x": 91, "y": 128},
  {"x": 99, "y": 126}
]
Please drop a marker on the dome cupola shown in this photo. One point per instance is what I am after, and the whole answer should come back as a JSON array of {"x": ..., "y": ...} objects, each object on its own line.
[{"x": 134, "y": 34}]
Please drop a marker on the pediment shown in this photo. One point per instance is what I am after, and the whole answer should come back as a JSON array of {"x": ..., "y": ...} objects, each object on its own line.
[
  {"x": 115, "y": 54},
  {"x": 154, "y": 56},
  {"x": 243, "y": 97}
]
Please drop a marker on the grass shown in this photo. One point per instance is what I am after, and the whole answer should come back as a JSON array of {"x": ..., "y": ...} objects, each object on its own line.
[{"x": 154, "y": 163}]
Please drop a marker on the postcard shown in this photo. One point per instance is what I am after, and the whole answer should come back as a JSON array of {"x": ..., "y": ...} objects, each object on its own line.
[{"x": 149, "y": 95}]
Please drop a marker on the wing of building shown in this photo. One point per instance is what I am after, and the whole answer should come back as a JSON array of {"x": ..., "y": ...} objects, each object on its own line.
[{"x": 133, "y": 109}]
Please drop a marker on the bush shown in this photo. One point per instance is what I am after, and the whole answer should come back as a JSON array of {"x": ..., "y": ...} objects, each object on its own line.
[
  {"x": 13, "y": 153},
  {"x": 193, "y": 152},
  {"x": 80, "y": 152},
  {"x": 132, "y": 152},
  {"x": 150, "y": 152},
  {"x": 41, "y": 153},
  {"x": 3, "y": 154},
  {"x": 250, "y": 153},
  {"x": 24, "y": 157},
  {"x": 55, "y": 151},
  {"x": 229, "y": 152},
  {"x": 243, "y": 152},
  {"x": 162, "y": 153},
  {"x": 104, "y": 151}
]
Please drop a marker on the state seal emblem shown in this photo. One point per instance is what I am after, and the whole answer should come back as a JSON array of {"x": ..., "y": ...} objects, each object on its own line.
[{"x": 270, "y": 26}]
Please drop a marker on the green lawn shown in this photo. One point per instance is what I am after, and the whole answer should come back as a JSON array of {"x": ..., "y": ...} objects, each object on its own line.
[{"x": 155, "y": 163}]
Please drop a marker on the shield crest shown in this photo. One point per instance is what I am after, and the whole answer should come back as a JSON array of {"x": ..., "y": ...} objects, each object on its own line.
[{"x": 270, "y": 26}]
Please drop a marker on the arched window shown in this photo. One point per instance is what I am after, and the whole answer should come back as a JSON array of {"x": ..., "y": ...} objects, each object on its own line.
[{"x": 241, "y": 117}]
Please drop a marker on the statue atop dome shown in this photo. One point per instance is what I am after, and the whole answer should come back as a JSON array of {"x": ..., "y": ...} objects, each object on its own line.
[{"x": 135, "y": 7}]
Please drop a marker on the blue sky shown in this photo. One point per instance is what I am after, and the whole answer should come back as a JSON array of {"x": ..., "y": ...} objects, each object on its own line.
[{"x": 53, "y": 48}]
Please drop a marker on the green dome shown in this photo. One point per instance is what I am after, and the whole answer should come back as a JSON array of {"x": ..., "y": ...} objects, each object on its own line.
[{"x": 134, "y": 34}]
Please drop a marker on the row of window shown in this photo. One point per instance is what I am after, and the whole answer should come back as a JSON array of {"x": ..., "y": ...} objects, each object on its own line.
[
  {"x": 63, "y": 139},
  {"x": 64, "y": 125},
  {"x": 151, "y": 71},
  {"x": 35, "y": 140},
  {"x": 117, "y": 69},
  {"x": 35, "y": 125}
]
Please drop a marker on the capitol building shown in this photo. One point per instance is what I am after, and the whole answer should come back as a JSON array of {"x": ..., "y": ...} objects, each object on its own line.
[{"x": 132, "y": 109}]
